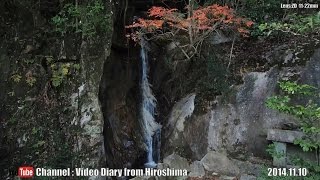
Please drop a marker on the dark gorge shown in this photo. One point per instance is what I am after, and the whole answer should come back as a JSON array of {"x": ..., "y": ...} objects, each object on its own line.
[{"x": 204, "y": 89}]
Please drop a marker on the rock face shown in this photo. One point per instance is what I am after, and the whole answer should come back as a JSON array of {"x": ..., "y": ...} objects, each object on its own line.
[
  {"x": 176, "y": 123},
  {"x": 281, "y": 55},
  {"x": 119, "y": 94},
  {"x": 62, "y": 121},
  {"x": 91, "y": 118},
  {"x": 311, "y": 73},
  {"x": 228, "y": 126},
  {"x": 238, "y": 127}
]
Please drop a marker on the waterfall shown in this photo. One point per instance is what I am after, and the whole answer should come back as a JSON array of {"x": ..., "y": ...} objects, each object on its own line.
[{"x": 151, "y": 129}]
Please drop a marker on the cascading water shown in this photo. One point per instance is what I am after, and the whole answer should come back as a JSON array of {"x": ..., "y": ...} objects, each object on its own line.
[{"x": 152, "y": 130}]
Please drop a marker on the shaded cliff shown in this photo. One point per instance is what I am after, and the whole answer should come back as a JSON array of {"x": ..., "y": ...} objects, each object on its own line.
[{"x": 50, "y": 111}]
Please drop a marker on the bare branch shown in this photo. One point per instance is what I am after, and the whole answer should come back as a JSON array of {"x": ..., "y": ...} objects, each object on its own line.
[{"x": 234, "y": 38}]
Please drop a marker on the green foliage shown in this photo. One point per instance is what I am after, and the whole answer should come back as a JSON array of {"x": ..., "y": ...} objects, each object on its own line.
[
  {"x": 311, "y": 166},
  {"x": 270, "y": 21},
  {"x": 59, "y": 73},
  {"x": 16, "y": 78},
  {"x": 76, "y": 67},
  {"x": 307, "y": 144},
  {"x": 297, "y": 24},
  {"x": 62, "y": 71},
  {"x": 87, "y": 19},
  {"x": 60, "y": 24},
  {"x": 294, "y": 88},
  {"x": 31, "y": 80},
  {"x": 257, "y": 10},
  {"x": 308, "y": 113},
  {"x": 271, "y": 149}
]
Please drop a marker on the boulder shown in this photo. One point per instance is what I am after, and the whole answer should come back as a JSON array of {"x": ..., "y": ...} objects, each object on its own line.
[
  {"x": 197, "y": 169},
  {"x": 219, "y": 163},
  {"x": 177, "y": 162}
]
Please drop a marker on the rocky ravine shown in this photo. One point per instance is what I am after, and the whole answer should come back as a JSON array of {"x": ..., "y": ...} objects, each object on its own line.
[{"x": 232, "y": 130}]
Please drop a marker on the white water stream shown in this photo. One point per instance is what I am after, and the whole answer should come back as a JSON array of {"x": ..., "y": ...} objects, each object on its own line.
[{"x": 152, "y": 130}]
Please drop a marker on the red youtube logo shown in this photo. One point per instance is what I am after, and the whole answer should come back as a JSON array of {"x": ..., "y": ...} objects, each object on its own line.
[{"x": 26, "y": 172}]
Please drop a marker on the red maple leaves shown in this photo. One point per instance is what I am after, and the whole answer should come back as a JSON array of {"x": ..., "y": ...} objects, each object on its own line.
[
  {"x": 160, "y": 11},
  {"x": 202, "y": 19}
]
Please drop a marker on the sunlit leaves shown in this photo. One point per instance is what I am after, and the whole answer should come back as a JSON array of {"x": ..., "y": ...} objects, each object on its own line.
[{"x": 294, "y": 88}]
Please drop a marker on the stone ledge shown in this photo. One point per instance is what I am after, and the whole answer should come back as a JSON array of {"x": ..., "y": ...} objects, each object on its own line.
[{"x": 284, "y": 135}]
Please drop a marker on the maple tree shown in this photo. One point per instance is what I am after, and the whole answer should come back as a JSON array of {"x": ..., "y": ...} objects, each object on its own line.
[{"x": 198, "y": 23}]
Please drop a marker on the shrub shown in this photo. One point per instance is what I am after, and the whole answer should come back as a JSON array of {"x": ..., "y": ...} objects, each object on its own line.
[
  {"x": 85, "y": 19},
  {"x": 307, "y": 113}
]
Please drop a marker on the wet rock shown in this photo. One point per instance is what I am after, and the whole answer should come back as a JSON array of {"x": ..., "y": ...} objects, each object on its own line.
[
  {"x": 181, "y": 110},
  {"x": 119, "y": 91},
  {"x": 218, "y": 162},
  {"x": 175, "y": 127}
]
